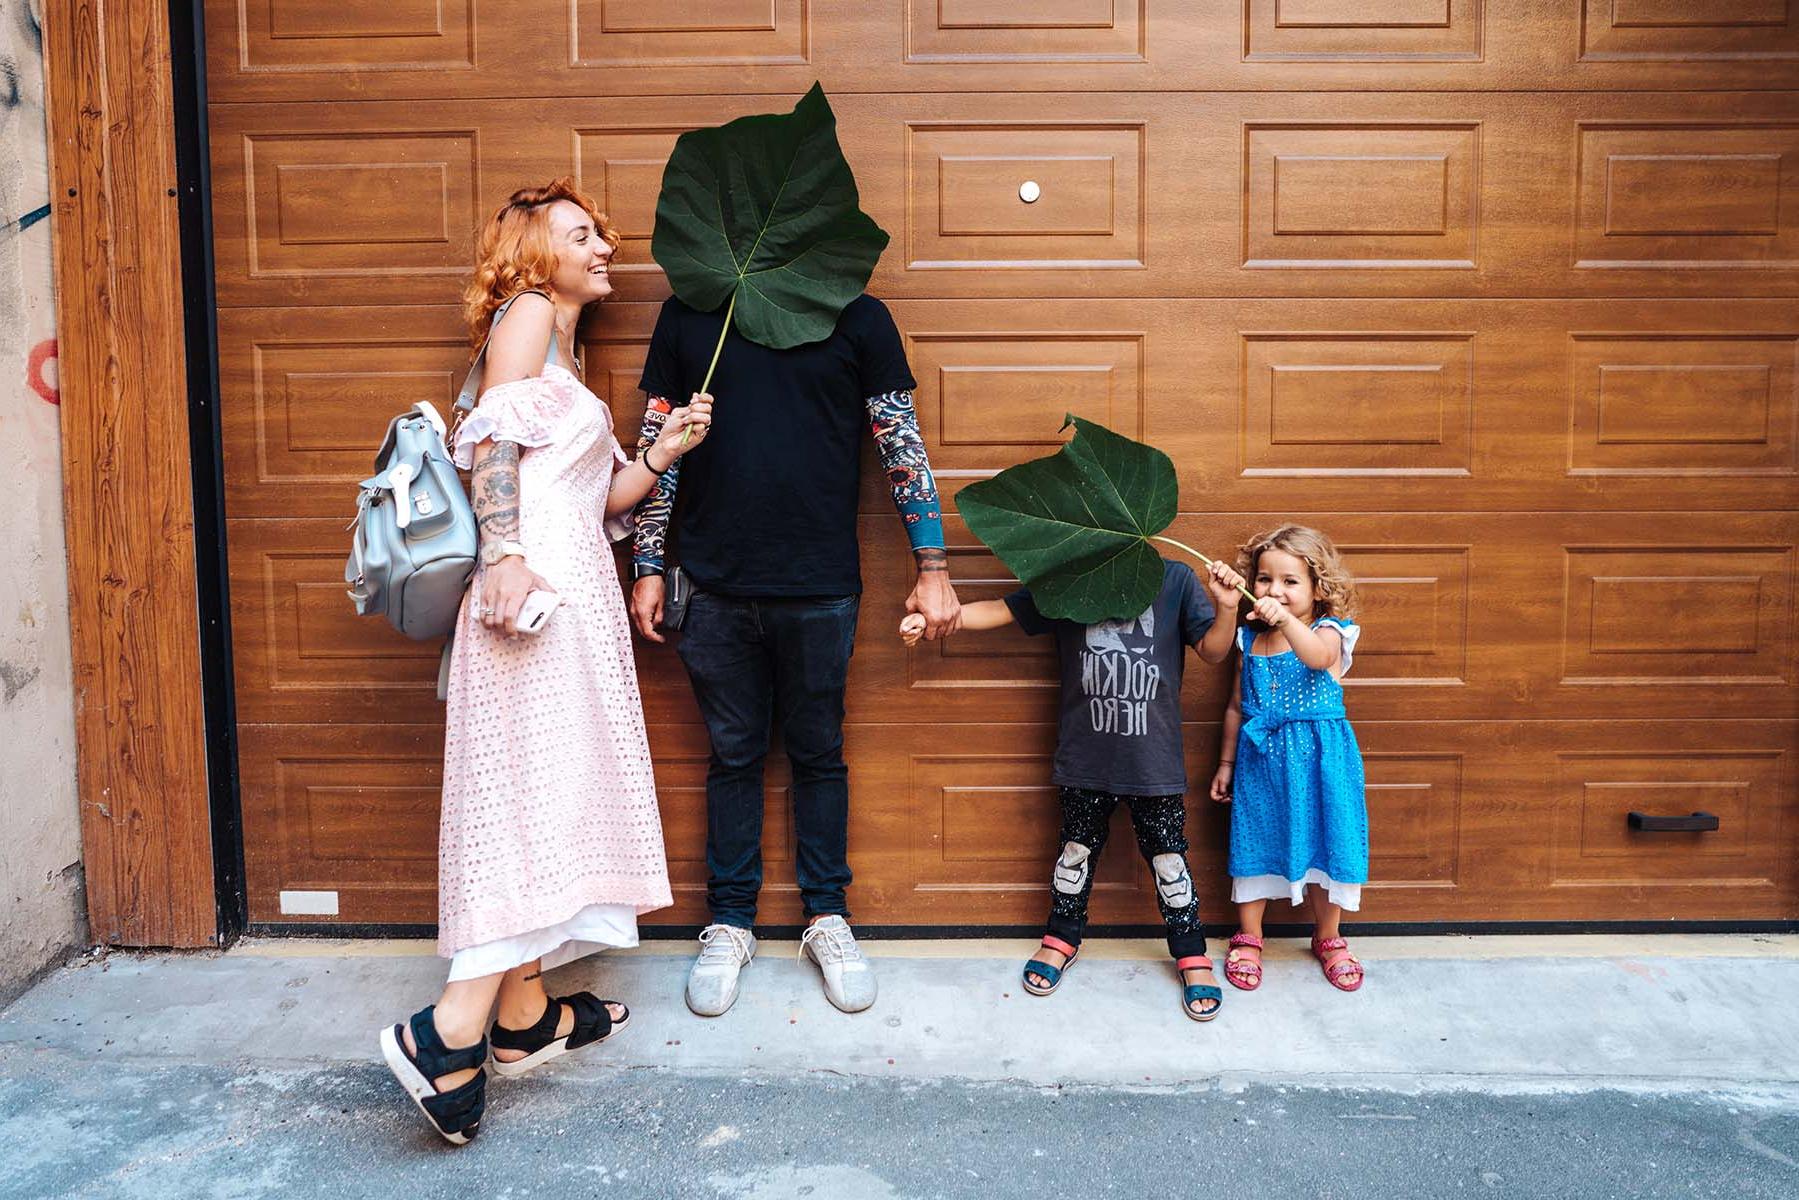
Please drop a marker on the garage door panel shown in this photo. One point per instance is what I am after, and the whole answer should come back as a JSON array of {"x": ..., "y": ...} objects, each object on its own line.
[
  {"x": 699, "y": 33},
  {"x": 1598, "y": 866},
  {"x": 1678, "y": 31},
  {"x": 303, "y": 50},
  {"x": 1597, "y": 842},
  {"x": 306, "y": 395},
  {"x": 1382, "y": 195},
  {"x": 1643, "y": 616},
  {"x": 1687, "y": 195},
  {"x": 1560, "y": 615},
  {"x": 974, "y": 33},
  {"x": 1694, "y": 405},
  {"x": 308, "y": 392},
  {"x": 1498, "y": 293},
  {"x": 359, "y": 203},
  {"x": 1373, "y": 404},
  {"x": 1006, "y": 195},
  {"x": 1328, "y": 195},
  {"x": 340, "y": 822},
  {"x": 983, "y": 822},
  {"x": 1390, "y": 30},
  {"x": 277, "y": 38},
  {"x": 1651, "y": 612},
  {"x": 1434, "y": 405},
  {"x": 300, "y": 50},
  {"x": 301, "y": 653},
  {"x": 299, "y": 650},
  {"x": 1479, "y": 405},
  {"x": 1421, "y": 645},
  {"x": 996, "y": 380}
]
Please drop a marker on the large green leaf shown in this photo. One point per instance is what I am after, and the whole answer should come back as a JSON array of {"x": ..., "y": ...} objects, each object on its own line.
[
  {"x": 1075, "y": 527},
  {"x": 763, "y": 213}
]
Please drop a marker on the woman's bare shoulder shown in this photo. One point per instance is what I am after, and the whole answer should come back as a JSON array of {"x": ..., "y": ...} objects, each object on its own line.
[{"x": 519, "y": 343}]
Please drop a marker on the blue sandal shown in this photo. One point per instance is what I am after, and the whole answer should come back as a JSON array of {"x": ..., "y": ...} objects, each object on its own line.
[
  {"x": 456, "y": 1114},
  {"x": 1053, "y": 974},
  {"x": 1191, "y": 993}
]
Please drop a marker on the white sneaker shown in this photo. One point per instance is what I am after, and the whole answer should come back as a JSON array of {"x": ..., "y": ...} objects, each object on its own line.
[
  {"x": 725, "y": 950},
  {"x": 849, "y": 978}
]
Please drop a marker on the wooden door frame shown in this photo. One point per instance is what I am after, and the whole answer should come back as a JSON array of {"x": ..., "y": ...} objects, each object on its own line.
[{"x": 124, "y": 100}]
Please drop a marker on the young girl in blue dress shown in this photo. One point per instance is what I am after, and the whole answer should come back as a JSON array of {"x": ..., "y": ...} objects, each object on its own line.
[{"x": 1289, "y": 764}]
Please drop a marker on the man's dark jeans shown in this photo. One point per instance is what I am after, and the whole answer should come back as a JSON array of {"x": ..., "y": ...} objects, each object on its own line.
[{"x": 755, "y": 663}]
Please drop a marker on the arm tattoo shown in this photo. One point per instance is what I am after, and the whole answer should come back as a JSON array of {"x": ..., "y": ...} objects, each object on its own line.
[
  {"x": 931, "y": 558},
  {"x": 653, "y": 512},
  {"x": 894, "y": 423},
  {"x": 494, "y": 489}
]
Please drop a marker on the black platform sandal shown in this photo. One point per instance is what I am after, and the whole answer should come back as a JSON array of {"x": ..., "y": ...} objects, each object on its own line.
[
  {"x": 456, "y": 1114},
  {"x": 593, "y": 1024}
]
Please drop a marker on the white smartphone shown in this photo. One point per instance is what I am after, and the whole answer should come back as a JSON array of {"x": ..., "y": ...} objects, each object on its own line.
[{"x": 534, "y": 614}]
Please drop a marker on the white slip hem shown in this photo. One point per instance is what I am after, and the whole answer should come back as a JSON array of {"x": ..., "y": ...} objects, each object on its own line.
[
  {"x": 596, "y": 927},
  {"x": 1278, "y": 887}
]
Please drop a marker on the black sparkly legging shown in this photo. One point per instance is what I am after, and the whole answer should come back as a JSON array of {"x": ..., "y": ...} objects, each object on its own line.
[{"x": 1158, "y": 821}]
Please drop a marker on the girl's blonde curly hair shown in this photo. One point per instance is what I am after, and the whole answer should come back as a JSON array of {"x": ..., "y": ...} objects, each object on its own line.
[
  {"x": 1331, "y": 580},
  {"x": 514, "y": 253}
]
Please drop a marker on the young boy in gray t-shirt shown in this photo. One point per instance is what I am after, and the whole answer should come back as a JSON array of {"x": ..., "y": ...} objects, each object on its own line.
[{"x": 1120, "y": 740}]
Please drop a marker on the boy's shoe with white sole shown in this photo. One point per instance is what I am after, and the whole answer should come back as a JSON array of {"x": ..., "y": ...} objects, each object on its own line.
[
  {"x": 849, "y": 977},
  {"x": 725, "y": 950}
]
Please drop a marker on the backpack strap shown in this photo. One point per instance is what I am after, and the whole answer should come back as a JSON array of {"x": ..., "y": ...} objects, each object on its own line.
[{"x": 471, "y": 385}]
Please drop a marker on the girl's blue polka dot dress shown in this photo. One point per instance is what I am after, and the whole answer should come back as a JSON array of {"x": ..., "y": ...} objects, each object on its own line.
[{"x": 1298, "y": 814}]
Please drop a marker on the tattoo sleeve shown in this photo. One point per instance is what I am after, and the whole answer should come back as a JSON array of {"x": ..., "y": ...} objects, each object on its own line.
[
  {"x": 894, "y": 423},
  {"x": 653, "y": 513},
  {"x": 494, "y": 487}
]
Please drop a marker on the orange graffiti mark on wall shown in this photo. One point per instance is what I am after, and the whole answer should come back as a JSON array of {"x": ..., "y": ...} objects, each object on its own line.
[{"x": 40, "y": 371}]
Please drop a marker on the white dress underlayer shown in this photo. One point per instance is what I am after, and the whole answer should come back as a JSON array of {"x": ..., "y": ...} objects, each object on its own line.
[
  {"x": 596, "y": 927},
  {"x": 1279, "y": 887}
]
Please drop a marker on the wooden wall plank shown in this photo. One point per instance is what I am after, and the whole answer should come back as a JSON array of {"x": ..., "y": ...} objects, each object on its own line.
[{"x": 146, "y": 836}]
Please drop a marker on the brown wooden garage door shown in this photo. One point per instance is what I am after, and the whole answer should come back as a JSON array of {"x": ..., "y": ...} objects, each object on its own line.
[{"x": 1500, "y": 294}]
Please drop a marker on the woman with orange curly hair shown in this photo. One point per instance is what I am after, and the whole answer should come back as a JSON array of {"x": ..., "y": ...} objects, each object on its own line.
[
  {"x": 1292, "y": 771},
  {"x": 550, "y": 844}
]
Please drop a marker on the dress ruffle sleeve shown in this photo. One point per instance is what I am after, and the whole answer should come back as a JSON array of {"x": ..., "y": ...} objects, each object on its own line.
[
  {"x": 525, "y": 412},
  {"x": 625, "y": 524},
  {"x": 1351, "y": 634}
]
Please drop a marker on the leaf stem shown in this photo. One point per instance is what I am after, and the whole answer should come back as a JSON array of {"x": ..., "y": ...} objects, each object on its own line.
[
  {"x": 1156, "y": 537},
  {"x": 716, "y": 351}
]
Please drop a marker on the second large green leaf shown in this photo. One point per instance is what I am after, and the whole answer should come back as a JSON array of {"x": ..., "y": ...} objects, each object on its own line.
[
  {"x": 762, "y": 214},
  {"x": 1075, "y": 527}
]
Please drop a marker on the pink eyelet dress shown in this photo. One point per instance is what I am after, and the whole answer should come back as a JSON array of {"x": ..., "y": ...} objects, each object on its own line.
[{"x": 550, "y": 843}]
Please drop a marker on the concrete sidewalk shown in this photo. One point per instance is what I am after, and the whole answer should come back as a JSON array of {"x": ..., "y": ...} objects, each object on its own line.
[
  {"x": 1634, "y": 1068},
  {"x": 1543, "y": 1014}
]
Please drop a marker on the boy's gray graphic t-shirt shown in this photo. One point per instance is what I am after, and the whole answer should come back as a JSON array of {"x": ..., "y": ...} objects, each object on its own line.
[{"x": 1121, "y": 689}]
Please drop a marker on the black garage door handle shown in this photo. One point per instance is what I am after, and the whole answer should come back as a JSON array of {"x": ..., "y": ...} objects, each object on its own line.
[{"x": 1699, "y": 822}]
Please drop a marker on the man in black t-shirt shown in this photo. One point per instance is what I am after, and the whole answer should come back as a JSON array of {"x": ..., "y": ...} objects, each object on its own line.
[{"x": 764, "y": 520}]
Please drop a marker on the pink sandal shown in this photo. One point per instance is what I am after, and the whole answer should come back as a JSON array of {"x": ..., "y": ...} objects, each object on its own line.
[
  {"x": 1337, "y": 965},
  {"x": 1244, "y": 973}
]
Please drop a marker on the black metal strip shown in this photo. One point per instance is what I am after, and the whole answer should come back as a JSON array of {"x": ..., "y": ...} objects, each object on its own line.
[
  {"x": 187, "y": 40},
  {"x": 651, "y": 933}
]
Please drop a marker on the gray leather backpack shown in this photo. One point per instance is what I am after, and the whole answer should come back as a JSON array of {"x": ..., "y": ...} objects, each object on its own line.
[
  {"x": 414, "y": 539},
  {"x": 413, "y": 542}
]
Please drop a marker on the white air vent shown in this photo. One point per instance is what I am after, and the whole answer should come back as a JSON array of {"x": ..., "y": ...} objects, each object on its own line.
[{"x": 309, "y": 904}]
